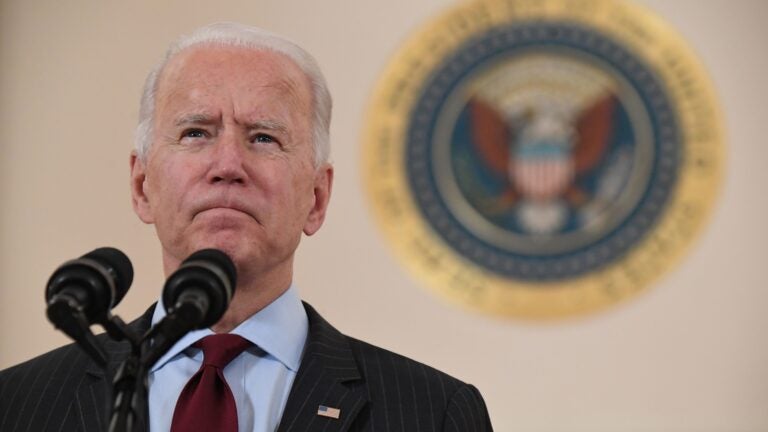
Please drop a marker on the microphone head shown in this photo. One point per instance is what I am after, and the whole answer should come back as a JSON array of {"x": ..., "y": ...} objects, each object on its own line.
[
  {"x": 220, "y": 259},
  {"x": 95, "y": 282},
  {"x": 208, "y": 275},
  {"x": 118, "y": 265}
]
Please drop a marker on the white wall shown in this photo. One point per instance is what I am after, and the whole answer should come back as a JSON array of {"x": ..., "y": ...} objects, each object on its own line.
[{"x": 690, "y": 354}]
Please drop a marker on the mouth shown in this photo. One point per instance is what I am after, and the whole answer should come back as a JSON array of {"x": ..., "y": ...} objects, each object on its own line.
[
  {"x": 222, "y": 209},
  {"x": 216, "y": 219}
]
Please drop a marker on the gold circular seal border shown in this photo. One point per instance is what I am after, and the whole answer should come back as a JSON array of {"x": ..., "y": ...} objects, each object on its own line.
[{"x": 426, "y": 254}]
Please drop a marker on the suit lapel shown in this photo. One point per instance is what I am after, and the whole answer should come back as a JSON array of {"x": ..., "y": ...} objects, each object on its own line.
[
  {"x": 93, "y": 399},
  {"x": 328, "y": 377}
]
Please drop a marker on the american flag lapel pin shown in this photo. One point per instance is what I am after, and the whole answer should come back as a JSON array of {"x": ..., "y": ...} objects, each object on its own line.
[{"x": 325, "y": 411}]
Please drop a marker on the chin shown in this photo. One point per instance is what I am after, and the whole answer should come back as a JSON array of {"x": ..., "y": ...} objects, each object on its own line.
[
  {"x": 228, "y": 242},
  {"x": 232, "y": 250}
]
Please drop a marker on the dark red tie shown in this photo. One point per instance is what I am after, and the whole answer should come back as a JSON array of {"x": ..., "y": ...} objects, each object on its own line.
[{"x": 206, "y": 403}]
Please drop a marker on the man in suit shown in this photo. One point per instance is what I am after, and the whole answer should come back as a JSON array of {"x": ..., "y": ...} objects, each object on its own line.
[{"x": 232, "y": 153}]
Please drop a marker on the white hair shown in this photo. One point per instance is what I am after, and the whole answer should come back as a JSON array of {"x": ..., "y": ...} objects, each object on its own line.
[{"x": 240, "y": 35}]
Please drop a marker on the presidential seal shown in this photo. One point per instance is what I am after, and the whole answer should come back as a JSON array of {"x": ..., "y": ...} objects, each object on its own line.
[{"x": 543, "y": 158}]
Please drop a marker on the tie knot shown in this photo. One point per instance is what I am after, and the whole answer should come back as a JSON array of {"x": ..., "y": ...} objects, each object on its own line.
[{"x": 220, "y": 349}]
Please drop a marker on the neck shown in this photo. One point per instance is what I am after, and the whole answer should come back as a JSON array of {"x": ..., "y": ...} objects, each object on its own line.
[{"x": 249, "y": 299}]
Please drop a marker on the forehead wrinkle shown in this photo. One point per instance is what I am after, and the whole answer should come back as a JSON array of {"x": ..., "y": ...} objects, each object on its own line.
[
  {"x": 285, "y": 89},
  {"x": 291, "y": 84},
  {"x": 182, "y": 80}
]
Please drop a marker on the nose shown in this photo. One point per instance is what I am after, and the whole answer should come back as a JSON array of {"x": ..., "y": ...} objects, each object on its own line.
[{"x": 227, "y": 163}]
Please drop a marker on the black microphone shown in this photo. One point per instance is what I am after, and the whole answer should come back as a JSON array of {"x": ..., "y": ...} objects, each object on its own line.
[
  {"x": 201, "y": 288},
  {"x": 83, "y": 291},
  {"x": 93, "y": 283},
  {"x": 195, "y": 296}
]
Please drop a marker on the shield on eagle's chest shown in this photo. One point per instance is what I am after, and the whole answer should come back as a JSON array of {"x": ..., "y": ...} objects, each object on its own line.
[{"x": 542, "y": 172}]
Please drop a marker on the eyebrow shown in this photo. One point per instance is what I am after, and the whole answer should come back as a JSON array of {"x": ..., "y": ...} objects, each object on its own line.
[
  {"x": 195, "y": 119},
  {"x": 268, "y": 125},
  {"x": 207, "y": 119}
]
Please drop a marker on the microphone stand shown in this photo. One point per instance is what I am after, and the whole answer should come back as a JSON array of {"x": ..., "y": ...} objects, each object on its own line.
[
  {"x": 200, "y": 290},
  {"x": 129, "y": 385},
  {"x": 126, "y": 405}
]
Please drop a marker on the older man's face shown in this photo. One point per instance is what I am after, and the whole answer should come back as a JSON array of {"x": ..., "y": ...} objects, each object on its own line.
[{"x": 231, "y": 165}]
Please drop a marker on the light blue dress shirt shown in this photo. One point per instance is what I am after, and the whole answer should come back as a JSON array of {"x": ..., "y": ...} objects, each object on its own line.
[{"x": 260, "y": 378}]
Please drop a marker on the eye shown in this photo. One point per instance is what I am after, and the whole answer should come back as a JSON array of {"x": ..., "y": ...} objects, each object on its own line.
[
  {"x": 263, "y": 138},
  {"x": 193, "y": 133}
]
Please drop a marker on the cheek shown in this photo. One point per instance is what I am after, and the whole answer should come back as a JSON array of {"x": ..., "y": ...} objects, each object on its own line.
[
  {"x": 303, "y": 193},
  {"x": 280, "y": 194},
  {"x": 165, "y": 187}
]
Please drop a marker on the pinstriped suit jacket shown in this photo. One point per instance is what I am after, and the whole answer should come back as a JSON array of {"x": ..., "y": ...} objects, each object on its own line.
[{"x": 374, "y": 389}]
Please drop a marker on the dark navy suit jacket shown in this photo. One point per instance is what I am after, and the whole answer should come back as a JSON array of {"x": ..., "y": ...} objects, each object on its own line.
[{"x": 375, "y": 390}]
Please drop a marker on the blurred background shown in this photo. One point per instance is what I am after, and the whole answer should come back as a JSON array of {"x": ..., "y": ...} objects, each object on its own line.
[{"x": 688, "y": 354}]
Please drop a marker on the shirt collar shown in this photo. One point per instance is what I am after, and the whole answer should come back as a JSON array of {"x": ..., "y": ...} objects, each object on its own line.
[{"x": 280, "y": 329}]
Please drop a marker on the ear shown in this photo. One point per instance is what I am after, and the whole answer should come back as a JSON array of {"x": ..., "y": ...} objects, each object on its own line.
[
  {"x": 139, "y": 197},
  {"x": 322, "y": 192}
]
